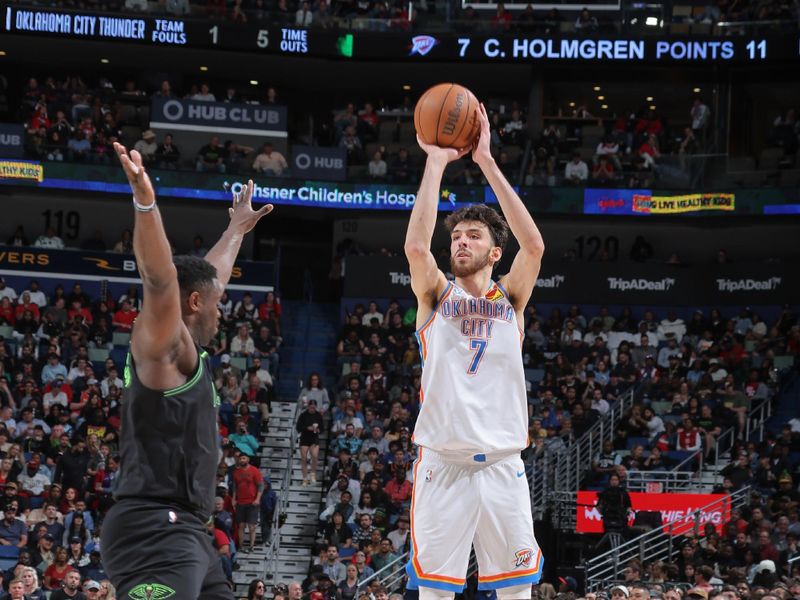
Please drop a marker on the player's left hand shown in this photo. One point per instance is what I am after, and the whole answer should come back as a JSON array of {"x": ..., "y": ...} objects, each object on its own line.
[
  {"x": 482, "y": 152},
  {"x": 243, "y": 217}
]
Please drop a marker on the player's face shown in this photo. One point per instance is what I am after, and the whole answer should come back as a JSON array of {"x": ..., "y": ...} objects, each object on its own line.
[{"x": 471, "y": 248}]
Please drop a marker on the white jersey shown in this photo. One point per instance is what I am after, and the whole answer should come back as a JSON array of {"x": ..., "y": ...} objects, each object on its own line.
[{"x": 473, "y": 396}]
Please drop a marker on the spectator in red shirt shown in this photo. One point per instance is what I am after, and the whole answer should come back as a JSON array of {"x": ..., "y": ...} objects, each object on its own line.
[
  {"x": 271, "y": 303},
  {"x": 399, "y": 488},
  {"x": 649, "y": 151},
  {"x": 56, "y": 572},
  {"x": 8, "y": 315},
  {"x": 603, "y": 171},
  {"x": 367, "y": 124},
  {"x": 248, "y": 485},
  {"x": 223, "y": 546},
  {"x": 77, "y": 309},
  {"x": 26, "y": 304},
  {"x": 124, "y": 317},
  {"x": 502, "y": 18}
]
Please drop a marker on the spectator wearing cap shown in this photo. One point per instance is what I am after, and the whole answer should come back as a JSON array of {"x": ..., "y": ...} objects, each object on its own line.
[
  {"x": 620, "y": 592},
  {"x": 91, "y": 589},
  {"x": 697, "y": 593},
  {"x": 53, "y": 369},
  {"x": 12, "y": 530},
  {"x": 226, "y": 368},
  {"x": 77, "y": 557},
  {"x": 43, "y": 555},
  {"x": 147, "y": 146},
  {"x": 345, "y": 465}
]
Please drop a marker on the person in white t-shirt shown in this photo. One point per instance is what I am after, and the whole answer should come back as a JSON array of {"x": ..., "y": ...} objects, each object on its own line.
[
  {"x": 576, "y": 172},
  {"x": 38, "y": 297},
  {"x": 372, "y": 313},
  {"x": 6, "y": 291}
]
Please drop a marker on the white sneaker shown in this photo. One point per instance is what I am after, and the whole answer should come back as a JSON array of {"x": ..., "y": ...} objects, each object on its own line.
[
  {"x": 313, "y": 479},
  {"x": 305, "y": 482}
]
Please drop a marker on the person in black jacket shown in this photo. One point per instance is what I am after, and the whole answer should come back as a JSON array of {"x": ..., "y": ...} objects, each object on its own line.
[
  {"x": 614, "y": 503},
  {"x": 71, "y": 467}
]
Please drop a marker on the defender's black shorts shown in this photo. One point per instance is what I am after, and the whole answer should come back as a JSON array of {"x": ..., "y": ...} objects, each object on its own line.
[{"x": 156, "y": 551}]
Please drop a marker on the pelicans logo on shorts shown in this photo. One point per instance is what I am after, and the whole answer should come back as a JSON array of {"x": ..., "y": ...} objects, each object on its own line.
[
  {"x": 523, "y": 557},
  {"x": 151, "y": 591}
]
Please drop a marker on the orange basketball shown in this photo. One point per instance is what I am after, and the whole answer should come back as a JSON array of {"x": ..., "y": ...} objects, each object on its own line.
[{"x": 447, "y": 116}]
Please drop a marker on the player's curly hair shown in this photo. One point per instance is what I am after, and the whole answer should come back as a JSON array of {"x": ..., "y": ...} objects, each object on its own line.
[
  {"x": 497, "y": 225},
  {"x": 194, "y": 273}
]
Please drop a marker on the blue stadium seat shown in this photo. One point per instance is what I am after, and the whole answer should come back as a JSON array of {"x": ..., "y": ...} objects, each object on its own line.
[
  {"x": 9, "y": 555},
  {"x": 636, "y": 441}
]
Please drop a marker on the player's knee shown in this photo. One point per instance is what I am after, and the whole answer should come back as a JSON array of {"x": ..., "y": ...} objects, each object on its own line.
[
  {"x": 515, "y": 592},
  {"x": 426, "y": 593}
]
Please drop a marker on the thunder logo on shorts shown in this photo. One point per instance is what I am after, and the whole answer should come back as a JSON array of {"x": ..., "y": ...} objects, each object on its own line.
[{"x": 523, "y": 557}]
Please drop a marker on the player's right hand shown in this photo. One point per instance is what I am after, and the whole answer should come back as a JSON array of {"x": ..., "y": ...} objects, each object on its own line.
[{"x": 444, "y": 155}]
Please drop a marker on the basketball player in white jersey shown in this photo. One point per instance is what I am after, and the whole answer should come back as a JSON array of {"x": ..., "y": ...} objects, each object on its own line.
[{"x": 469, "y": 480}]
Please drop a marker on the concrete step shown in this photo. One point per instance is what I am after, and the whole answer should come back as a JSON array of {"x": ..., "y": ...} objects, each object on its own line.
[
  {"x": 290, "y": 553},
  {"x": 302, "y": 519},
  {"x": 300, "y": 530},
  {"x": 302, "y": 507},
  {"x": 293, "y": 567}
]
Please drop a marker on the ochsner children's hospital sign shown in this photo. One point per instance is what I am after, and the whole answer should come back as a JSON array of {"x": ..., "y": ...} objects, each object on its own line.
[{"x": 678, "y": 509}]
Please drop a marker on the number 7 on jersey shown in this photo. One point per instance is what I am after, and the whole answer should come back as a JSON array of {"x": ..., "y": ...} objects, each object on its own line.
[{"x": 480, "y": 347}]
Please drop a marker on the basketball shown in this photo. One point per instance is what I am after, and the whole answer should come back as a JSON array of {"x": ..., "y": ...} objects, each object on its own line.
[{"x": 446, "y": 116}]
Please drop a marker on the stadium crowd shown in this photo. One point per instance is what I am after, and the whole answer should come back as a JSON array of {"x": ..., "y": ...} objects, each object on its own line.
[
  {"x": 692, "y": 379},
  {"x": 77, "y": 121},
  {"x": 62, "y": 371}
]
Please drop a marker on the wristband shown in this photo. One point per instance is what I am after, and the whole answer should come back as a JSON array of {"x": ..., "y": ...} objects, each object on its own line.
[{"x": 143, "y": 207}]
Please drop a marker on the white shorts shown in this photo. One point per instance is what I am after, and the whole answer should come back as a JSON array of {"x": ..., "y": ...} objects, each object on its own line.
[{"x": 483, "y": 502}]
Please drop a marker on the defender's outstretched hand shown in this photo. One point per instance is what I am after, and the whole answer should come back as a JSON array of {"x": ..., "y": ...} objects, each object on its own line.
[
  {"x": 444, "y": 155},
  {"x": 137, "y": 177},
  {"x": 482, "y": 152},
  {"x": 243, "y": 217}
]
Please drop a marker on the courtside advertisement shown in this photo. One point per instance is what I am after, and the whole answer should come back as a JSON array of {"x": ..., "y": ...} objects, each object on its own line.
[{"x": 678, "y": 509}]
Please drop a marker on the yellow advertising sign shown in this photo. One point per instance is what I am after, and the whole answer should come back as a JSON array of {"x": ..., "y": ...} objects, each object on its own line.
[
  {"x": 18, "y": 169},
  {"x": 662, "y": 205}
]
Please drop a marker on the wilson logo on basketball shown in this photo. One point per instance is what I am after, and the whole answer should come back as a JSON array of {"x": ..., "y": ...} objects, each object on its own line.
[
  {"x": 452, "y": 115},
  {"x": 523, "y": 557}
]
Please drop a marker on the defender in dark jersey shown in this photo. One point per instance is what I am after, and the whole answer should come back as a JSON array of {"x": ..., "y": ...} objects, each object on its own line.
[{"x": 154, "y": 539}]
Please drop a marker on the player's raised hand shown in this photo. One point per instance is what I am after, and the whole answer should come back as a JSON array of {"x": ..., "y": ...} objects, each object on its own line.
[
  {"x": 243, "y": 217},
  {"x": 137, "y": 177},
  {"x": 443, "y": 155},
  {"x": 482, "y": 152}
]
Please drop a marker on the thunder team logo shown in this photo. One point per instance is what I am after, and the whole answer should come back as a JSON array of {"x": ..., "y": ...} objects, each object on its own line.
[
  {"x": 494, "y": 294},
  {"x": 523, "y": 557},
  {"x": 422, "y": 44}
]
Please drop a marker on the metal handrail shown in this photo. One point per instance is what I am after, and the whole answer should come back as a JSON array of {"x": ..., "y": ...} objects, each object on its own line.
[
  {"x": 655, "y": 543},
  {"x": 672, "y": 481},
  {"x": 271, "y": 559},
  {"x": 393, "y": 575}
]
